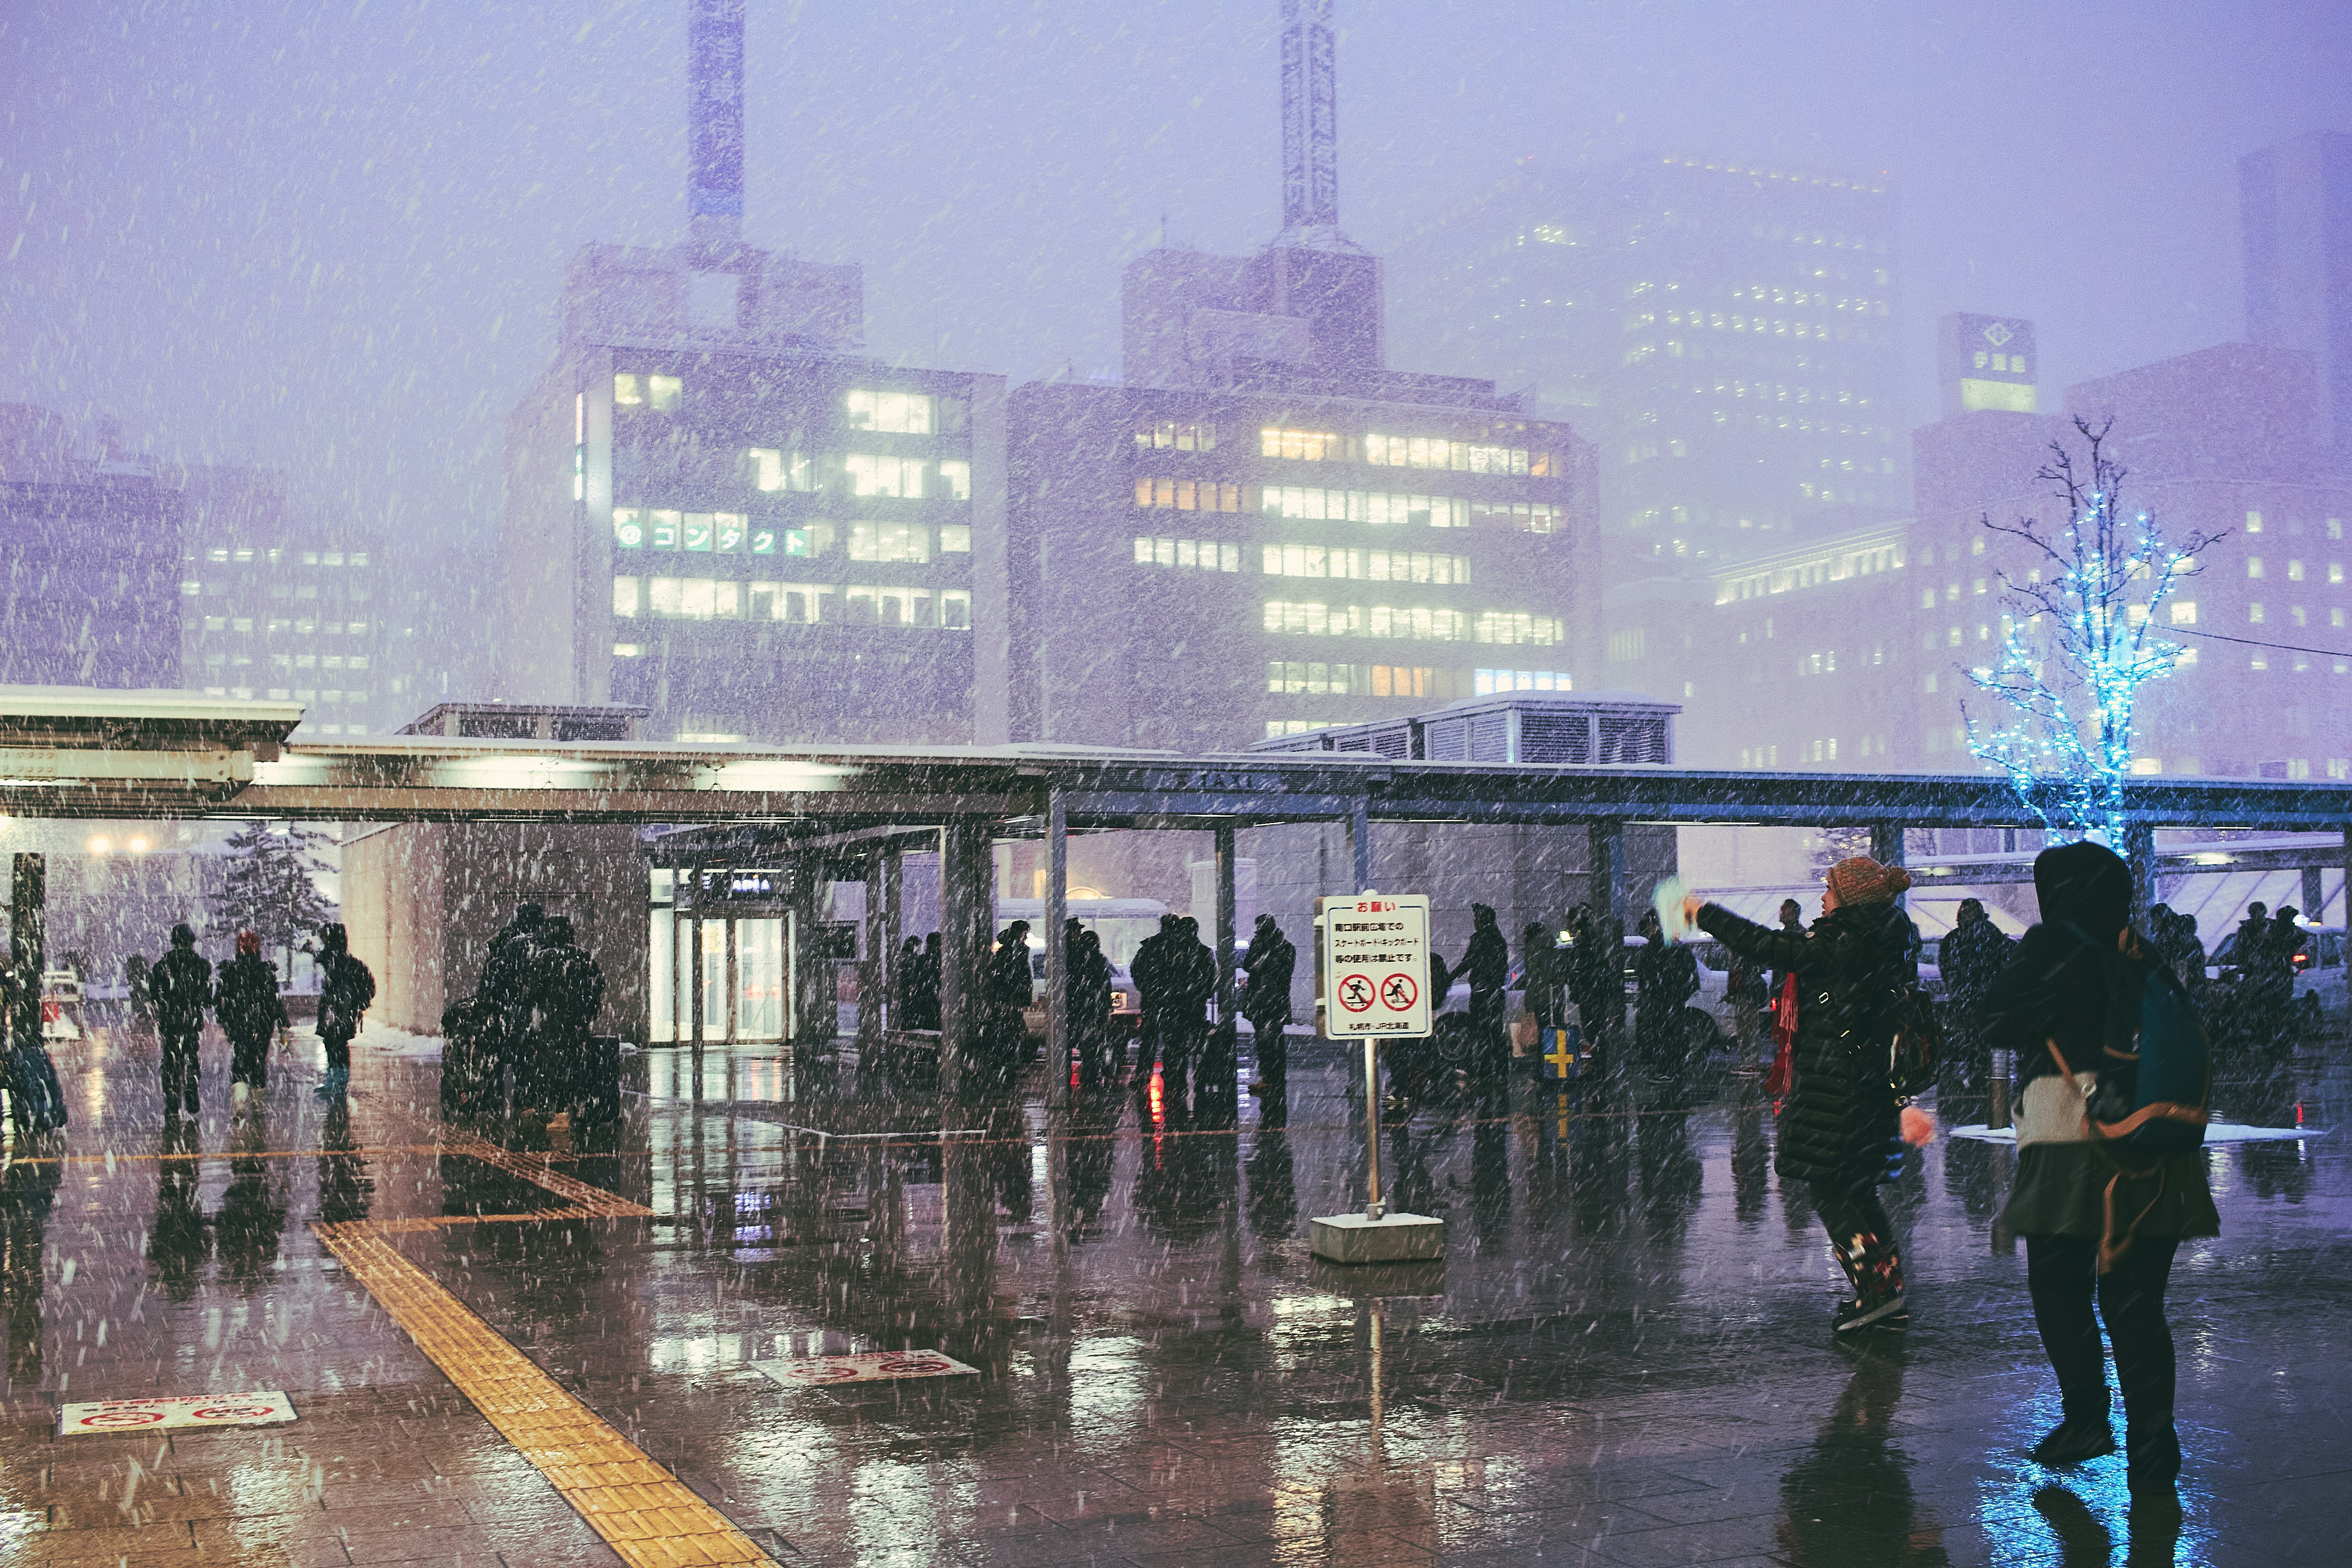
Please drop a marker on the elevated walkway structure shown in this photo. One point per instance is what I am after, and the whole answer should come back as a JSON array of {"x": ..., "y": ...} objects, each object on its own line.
[{"x": 172, "y": 755}]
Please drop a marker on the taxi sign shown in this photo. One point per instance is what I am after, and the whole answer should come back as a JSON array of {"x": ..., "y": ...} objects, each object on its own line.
[
  {"x": 256, "y": 1407},
  {"x": 1375, "y": 966}
]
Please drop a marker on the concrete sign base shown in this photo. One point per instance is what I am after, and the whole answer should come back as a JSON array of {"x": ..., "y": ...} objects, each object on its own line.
[{"x": 1393, "y": 1238}]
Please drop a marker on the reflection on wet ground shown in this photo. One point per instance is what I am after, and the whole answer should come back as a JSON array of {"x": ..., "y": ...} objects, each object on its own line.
[{"x": 1625, "y": 1356}]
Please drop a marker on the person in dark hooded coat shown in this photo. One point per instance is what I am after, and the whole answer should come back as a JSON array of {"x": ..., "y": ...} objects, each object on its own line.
[
  {"x": 182, "y": 985},
  {"x": 2073, "y": 992},
  {"x": 1486, "y": 964},
  {"x": 1265, "y": 1003},
  {"x": 250, "y": 1011},
  {"x": 568, "y": 992},
  {"x": 1839, "y": 1133},
  {"x": 346, "y": 989},
  {"x": 1153, "y": 971},
  {"x": 1088, "y": 991},
  {"x": 503, "y": 1010}
]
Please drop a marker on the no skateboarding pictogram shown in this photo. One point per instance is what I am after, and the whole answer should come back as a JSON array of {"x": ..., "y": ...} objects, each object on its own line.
[
  {"x": 1355, "y": 993},
  {"x": 1398, "y": 992}
]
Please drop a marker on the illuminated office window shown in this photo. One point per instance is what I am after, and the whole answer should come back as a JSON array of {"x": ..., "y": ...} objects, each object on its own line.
[
  {"x": 955, "y": 480},
  {"x": 1178, "y": 435},
  {"x": 2184, "y": 612},
  {"x": 890, "y": 542},
  {"x": 903, "y": 412},
  {"x": 871, "y": 474},
  {"x": 779, "y": 469},
  {"x": 1308, "y": 445},
  {"x": 955, "y": 609},
  {"x": 628, "y": 595},
  {"x": 955, "y": 539},
  {"x": 626, "y": 392}
]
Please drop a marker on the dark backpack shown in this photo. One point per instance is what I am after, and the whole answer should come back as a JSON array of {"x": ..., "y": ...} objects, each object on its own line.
[
  {"x": 2175, "y": 1061},
  {"x": 1914, "y": 1040}
]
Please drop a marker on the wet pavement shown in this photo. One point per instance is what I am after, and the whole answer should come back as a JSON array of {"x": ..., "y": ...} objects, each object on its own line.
[{"x": 1625, "y": 1357}]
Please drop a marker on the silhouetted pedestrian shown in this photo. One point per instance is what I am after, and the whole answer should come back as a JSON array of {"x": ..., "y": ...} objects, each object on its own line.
[
  {"x": 503, "y": 1011},
  {"x": 2069, "y": 1005},
  {"x": 346, "y": 989},
  {"x": 1487, "y": 962},
  {"x": 568, "y": 986},
  {"x": 1007, "y": 986},
  {"x": 1265, "y": 1003},
  {"x": 1089, "y": 992},
  {"x": 250, "y": 1010},
  {"x": 181, "y": 984},
  {"x": 1665, "y": 977}
]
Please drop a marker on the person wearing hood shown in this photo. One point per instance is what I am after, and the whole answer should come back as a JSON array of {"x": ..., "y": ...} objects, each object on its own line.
[
  {"x": 503, "y": 1010},
  {"x": 346, "y": 989},
  {"x": 1265, "y": 1003},
  {"x": 1840, "y": 1132},
  {"x": 568, "y": 984},
  {"x": 1007, "y": 986},
  {"x": 2069, "y": 1007},
  {"x": 1152, "y": 970},
  {"x": 182, "y": 986},
  {"x": 250, "y": 1011},
  {"x": 1088, "y": 991}
]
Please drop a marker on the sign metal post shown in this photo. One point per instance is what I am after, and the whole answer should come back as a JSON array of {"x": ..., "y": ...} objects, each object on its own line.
[{"x": 1371, "y": 955}]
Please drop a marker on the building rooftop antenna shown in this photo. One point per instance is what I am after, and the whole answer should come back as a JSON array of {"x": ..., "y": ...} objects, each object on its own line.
[
  {"x": 1310, "y": 128},
  {"x": 714, "y": 52}
]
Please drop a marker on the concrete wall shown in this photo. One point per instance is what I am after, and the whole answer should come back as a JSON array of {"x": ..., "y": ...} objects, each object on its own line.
[{"x": 423, "y": 899}]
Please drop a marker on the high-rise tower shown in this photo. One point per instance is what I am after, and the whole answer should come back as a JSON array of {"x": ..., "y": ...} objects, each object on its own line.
[
  {"x": 718, "y": 509},
  {"x": 1266, "y": 530},
  {"x": 2297, "y": 203}
]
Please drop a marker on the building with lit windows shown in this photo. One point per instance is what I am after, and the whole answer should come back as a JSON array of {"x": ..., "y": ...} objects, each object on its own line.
[
  {"x": 1264, "y": 530},
  {"x": 718, "y": 509},
  {"x": 90, "y": 556},
  {"x": 2296, "y": 213},
  {"x": 277, "y": 611},
  {"x": 1725, "y": 329},
  {"x": 1850, "y": 651}
]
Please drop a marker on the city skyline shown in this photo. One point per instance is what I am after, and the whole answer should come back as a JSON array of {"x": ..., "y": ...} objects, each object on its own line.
[{"x": 359, "y": 251}]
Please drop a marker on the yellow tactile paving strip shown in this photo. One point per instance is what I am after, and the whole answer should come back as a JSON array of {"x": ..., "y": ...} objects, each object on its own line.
[
  {"x": 647, "y": 1514},
  {"x": 536, "y": 1169}
]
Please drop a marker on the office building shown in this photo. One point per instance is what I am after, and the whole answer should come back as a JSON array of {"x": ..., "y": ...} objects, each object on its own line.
[
  {"x": 1851, "y": 652},
  {"x": 1265, "y": 528},
  {"x": 281, "y": 609},
  {"x": 1726, "y": 328},
  {"x": 90, "y": 556},
  {"x": 2297, "y": 212},
  {"x": 720, "y": 510}
]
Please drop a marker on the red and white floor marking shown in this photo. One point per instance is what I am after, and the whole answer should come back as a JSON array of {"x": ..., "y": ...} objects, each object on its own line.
[
  {"x": 872, "y": 1366},
  {"x": 256, "y": 1407}
]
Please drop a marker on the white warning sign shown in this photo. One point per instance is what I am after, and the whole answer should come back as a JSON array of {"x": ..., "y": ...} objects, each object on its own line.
[
  {"x": 872, "y": 1366},
  {"x": 254, "y": 1407},
  {"x": 1375, "y": 965}
]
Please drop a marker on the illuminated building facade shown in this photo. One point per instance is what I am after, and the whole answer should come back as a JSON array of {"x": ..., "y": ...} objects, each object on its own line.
[
  {"x": 720, "y": 510},
  {"x": 89, "y": 555},
  {"x": 2296, "y": 202},
  {"x": 1265, "y": 531},
  {"x": 1850, "y": 651},
  {"x": 275, "y": 612},
  {"x": 1730, "y": 326}
]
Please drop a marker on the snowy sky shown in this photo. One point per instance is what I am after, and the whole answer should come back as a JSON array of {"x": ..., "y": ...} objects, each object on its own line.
[{"x": 329, "y": 236}]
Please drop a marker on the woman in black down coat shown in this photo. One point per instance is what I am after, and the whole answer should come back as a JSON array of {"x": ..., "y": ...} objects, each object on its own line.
[{"x": 1839, "y": 1133}]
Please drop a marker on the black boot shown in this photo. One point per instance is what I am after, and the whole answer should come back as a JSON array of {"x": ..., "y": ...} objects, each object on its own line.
[{"x": 2075, "y": 1439}]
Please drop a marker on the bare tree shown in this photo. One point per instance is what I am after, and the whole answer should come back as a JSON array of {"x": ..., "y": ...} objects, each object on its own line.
[{"x": 2078, "y": 641}]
